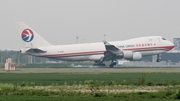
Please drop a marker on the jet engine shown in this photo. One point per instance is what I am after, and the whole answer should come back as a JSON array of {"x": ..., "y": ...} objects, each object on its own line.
[{"x": 134, "y": 56}]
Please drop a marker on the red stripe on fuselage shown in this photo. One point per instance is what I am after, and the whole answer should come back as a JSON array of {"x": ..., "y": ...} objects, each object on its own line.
[
  {"x": 148, "y": 48},
  {"x": 78, "y": 53},
  {"x": 167, "y": 48}
]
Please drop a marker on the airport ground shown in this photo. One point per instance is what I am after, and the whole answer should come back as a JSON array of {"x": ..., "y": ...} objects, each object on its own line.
[
  {"x": 96, "y": 70},
  {"x": 90, "y": 84}
]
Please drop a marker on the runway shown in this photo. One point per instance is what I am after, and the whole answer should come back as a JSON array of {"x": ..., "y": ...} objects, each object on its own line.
[{"x": 97, "y": 70}]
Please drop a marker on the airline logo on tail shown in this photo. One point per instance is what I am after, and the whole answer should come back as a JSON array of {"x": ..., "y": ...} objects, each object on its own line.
[{"x": 27, "y": 35}]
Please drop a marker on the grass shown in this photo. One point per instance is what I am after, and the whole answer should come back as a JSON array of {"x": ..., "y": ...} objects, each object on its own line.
[
  {"x": 93, "y": 76},
  {"x": 81, "y": 98},
  {"x": 70, "y": 78},
  {"x": 91, "y": 91}
]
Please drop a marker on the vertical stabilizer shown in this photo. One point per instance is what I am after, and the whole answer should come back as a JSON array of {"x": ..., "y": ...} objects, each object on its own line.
[{"x": 29, "y": 37}]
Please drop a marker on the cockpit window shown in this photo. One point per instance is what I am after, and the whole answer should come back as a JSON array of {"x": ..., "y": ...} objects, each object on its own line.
[{"x": 163, "y": 39}]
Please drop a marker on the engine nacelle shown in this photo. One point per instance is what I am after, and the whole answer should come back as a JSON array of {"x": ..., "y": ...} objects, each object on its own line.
[
  {"x": 134, "y": 56},
  {"x": 128, "y": 54},
  {"x": 137, "y": 56}
]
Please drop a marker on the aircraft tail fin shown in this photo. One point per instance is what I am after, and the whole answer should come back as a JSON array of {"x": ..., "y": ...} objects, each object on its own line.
[{"x": 29, "y": 37}]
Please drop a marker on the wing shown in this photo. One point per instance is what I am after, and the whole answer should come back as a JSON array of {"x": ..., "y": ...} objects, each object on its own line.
[
  {"x": 111, "y": 52},
  {"x": 110, "y": 47}
]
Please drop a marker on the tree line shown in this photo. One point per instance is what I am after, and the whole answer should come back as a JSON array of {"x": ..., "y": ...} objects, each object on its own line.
[{"x": 28, "y": 61}]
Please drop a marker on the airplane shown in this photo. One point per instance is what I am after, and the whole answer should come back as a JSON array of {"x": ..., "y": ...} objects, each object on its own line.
[{"x": 102, "y": 53}]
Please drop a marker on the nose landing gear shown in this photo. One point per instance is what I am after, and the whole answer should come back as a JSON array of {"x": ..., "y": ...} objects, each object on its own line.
[{"x": 158, "y": 58}]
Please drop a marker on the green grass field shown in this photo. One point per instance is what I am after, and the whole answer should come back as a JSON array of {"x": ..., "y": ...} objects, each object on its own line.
[
  {"x": 60, "y": 76},
  {"x": 42, "y": 98},
  {"x": 69, "y": 76}
]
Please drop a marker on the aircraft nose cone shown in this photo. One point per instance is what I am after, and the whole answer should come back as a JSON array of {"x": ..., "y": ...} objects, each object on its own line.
[{"x": 171, "y": 46}]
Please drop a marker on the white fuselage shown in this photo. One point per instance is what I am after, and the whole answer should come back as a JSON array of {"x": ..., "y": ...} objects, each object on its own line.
[{"x": 95, "y": 51}]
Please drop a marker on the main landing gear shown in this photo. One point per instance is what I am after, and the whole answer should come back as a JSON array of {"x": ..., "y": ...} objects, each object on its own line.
[
  {"x": 99, "y": 64},
  {"x": 158, "y": 58},
  {"x": 113, "y": 63}
]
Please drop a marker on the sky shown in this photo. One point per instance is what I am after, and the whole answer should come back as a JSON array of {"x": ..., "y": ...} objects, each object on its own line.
[{"x": 61, "y": 21}]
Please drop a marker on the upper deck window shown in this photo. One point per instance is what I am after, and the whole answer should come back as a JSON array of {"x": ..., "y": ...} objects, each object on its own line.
[{"x": 163, "y": 39}]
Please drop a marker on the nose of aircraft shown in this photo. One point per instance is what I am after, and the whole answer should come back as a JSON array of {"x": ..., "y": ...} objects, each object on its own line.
[{"x": 171, "y": 45}]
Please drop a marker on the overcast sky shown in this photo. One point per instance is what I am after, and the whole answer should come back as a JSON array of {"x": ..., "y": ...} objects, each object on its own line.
[{"x": 61, "y": 21}]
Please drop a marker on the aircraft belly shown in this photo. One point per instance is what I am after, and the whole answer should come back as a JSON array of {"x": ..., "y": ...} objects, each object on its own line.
[
  {"x": 83, "y": 58},
  {"x": 153, "y": 52},
  {"x": 75, "y": 58}
]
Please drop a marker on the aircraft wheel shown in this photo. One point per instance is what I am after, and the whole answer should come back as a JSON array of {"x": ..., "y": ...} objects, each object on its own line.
[
  {"x": 112, "y": 65},
  {"x": 158, "y": 60}
]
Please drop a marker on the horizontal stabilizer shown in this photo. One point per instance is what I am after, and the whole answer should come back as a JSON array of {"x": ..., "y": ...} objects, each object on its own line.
[{"x": 35, "y": 50}]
